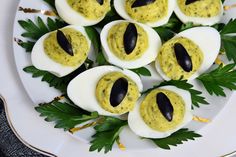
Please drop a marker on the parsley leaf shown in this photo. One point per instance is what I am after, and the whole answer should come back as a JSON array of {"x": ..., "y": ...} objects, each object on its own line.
[
  {"x": 165, "y": 33},
  {"x": 176, "y": 138},
  {"x": 142, "y": 71},
  {"x": 106, "y": 134},
  {"x": 28, "y": 45},
  {"x": 52, "y": 80},
  {"x": 229, "y": 42},
  {"x": 35, "y": 30},
  {"x": 223, "y": 76},
  {"x": 95, "y": 38},
  {"x": 65, "y": 115},
  {"x": 196, "y": 97}
]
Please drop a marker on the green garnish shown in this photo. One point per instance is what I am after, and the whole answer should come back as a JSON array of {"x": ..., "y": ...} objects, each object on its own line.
[
  {"x": 176, "y": 138},
  {"x": 196, "y": 97},
  {"x": 52, "y": 80},
  {"x": 142, "y": 71},
  {"x": 65, "y": 115},
  {"x": 95, "y": 38},
  {"x": 229, "y": 41},
  {"x": 106, "y": 134},
  {"x": 35, "y": 30},
  {"x": 223, "y": 76}
]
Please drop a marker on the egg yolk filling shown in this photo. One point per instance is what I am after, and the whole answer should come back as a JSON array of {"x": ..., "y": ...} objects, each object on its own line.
[
  {"x": 149, "y": 13},
  {"x": 103, "y": 93},
  {"x": 169, "y": 64},
  {"x": 90, "y": 9},
  {"x": 115, "y": 41},
  {"x": 152, "y": 115},
  {"x": 79, "y": 44},
  {"x": 202, "y": 8}
]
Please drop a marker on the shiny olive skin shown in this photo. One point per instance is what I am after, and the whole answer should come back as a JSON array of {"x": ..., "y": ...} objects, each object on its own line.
[
  {"x": 118, "y": 91},
  {"x": 165, "y": 106},
  {"x": 130, "y": 38},
  {"x": 64, "y": 43}
]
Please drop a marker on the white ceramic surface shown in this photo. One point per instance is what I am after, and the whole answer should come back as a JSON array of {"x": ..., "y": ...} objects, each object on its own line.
[{"x": 41, "y": 135}]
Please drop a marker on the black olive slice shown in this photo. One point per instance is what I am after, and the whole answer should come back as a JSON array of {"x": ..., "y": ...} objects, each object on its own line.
[
  {"x": 118, "y": 91},
  {"x": 100, "y": 2},
  {"x": 165, "y": 106},
  {"x": 139, "y": 3},
  {"x": 187, "y": 2},
  {"x": 64, "y": 43},
  {"x": 183, "y": 58},
  {"x": 130, "y": 38}
]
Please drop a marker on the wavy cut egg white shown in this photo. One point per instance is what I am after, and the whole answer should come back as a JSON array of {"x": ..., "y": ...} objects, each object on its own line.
[
  {"x": 69, "y": 15},
  {"x": 41, "y": 60},
  {"x": 209, "y": 41},
  {"x": 140, "y": 128},
  {"x": 82, "y": 89},
  {"x": 154, "y": 45},
  {"x": 199, "y": 20},
  {"x": 120, "y": 9}
]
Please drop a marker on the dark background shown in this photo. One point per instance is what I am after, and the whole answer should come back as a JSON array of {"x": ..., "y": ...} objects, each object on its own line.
[{"x": 10, "y": 146}]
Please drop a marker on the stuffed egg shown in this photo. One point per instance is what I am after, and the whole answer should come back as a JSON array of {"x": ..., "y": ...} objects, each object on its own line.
[
  {"x": 82, "y": 12},
  {"x": 150, "y": 12},
  {"x": 161, "y": 112},
  {"x": 189, "y": 54},
  {"x": 204, "y": 12},
  {"x": 129, "y": 45},
  {"x": 62, "y": 51},
  {"x": 108, "y": 90}
]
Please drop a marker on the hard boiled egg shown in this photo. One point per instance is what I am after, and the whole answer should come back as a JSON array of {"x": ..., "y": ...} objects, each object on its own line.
[
  {"x": 150, "y": 12},
  {"x": 83, "y": 12},
  {"x": 204, "y": 12},
  {"x": 47, "y": 54},
  {"x": 189, "y": 54},
  {"x": 161, "y": 112},
  {"x": 106, "y": 89},
  {"x": 129, "y": 45}
]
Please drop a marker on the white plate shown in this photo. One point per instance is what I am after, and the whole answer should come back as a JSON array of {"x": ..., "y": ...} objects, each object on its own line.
[{"x": 22, "y": 60}]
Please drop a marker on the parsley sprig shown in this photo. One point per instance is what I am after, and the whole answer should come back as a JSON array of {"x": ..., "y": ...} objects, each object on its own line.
[
  {"x": 229, "y": 41},
  {"x": 223, "y": 76},
  {"x": 52, "y": 80},
  {"x": 95, "y": 38},
  {"x": 34, "y": 30},
  {"x": 176, "y": 138},
  {"x": 107, "y": 133},
  {"x": 196, "y": 97},
  {"x": 65, "y": 115}
]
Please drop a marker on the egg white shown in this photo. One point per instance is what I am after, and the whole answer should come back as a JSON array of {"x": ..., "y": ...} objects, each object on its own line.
[
  {"x": 119, "y": 6},
  {"x": 82, "y": 89},
  {"x": 140, "y": 128},
  {"x": 73, "y": 17},
  {"x": 209, "y": 41},
  {"x": 198, "y": 20},
  {"x": 41, "y": 60},
  {"x": 154, "y": 45}
]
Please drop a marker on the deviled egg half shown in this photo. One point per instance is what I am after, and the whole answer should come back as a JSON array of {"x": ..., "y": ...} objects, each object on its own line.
[
  {"x": 150, "y": 12},
  {"x": 204, "y": 12},
  {"x": 161, "y": 112},
  {"x": 62, "y": 51},
  {"x": 106, "y": 89},
  {"x": 189, "y": 54},
  {"x": 129, "y": 45},
  {"x": 82, "y": 12}
]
